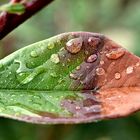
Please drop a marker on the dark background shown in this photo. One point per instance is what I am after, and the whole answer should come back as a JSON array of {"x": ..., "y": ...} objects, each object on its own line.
[{"x": 117, "y": 19}]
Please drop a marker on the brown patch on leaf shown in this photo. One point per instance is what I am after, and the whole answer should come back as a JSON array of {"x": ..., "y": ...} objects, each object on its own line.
[{"x": 115, "y": 73}]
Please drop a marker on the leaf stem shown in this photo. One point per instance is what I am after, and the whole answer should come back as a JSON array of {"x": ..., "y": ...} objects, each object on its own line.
[{"x": 8, "y": 21}]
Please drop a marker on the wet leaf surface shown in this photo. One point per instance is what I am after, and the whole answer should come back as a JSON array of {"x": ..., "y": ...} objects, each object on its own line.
[{"x": 70, "y": 78}]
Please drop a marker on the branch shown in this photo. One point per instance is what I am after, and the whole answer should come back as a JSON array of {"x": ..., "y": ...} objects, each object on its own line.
[{"x": 8, "y": 21}]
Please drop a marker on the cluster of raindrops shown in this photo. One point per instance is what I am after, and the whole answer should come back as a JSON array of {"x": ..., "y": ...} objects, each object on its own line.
[{"x": 74, "y": 45}]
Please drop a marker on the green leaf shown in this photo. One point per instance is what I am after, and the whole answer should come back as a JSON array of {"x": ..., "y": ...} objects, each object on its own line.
[
  {"x": 70, "y": 78},
  {"x": 13, "y": 8}
]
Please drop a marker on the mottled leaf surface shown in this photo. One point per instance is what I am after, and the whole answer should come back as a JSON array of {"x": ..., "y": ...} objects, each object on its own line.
[{"x": 70, "y": 78}]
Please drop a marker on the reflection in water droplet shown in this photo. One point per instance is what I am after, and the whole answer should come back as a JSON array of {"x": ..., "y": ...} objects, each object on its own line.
[
  {"x": 50, "y": 46},
  {"x": 115, "y": 54},
  {"x": 73, "y": 76},
  {"x": 34, "y": 54},
  {"x": 55, "y": 58},
  {"x": 129, "y": 70},
  {"x": 92, "y": 58},
  {"x": 100, "y": 71},
  {"x": 93, "y": 41},
  {"x": 74, "y": 45},
  {"x": 117, "y": 76}
]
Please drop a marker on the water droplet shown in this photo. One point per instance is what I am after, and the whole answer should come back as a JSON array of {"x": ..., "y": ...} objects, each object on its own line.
[
  {"x": 87, "y": 67},
  {"x": 77, "y": 107},
  {"x": 34, "y": 54},
  {"x": 117, "y": 76},
  {"x": 53, "y": 74},
  {"x": 73, "y": 76},
  {"x": 92, "y": 58},
  {"x": 102, "y": 62},
  {"x": 26, "y": 77},
  {"x": 100, "y": 71},
  {"x": 86, "y": 52},
  {"x": 115, "y": 54},
  {"x": 55, "y": 58},
  {"x": 94, "y": 108},
  {"x": 78, "y": 68},
  {"x": 93, "y": 41},
  {"x": 50, "y": 46},
  {"x": 138, "y": 64},
  {"x": 74, "y": 45},
  {"x": 129, "y": 70}
]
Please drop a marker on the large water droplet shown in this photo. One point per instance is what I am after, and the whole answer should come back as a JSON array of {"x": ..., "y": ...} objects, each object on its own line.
[
  {"x": 115, "y": 54},
  {"x": 28, "y": 76},
  {"x": 55, "y": 58},
  {"x": 92, "y": 58},
  {"x": 74, "y": 45},
  {"x": 34, "y": 54},
  {"x": 100, "y": 71},
  {"x": 117, "y": 76},
  {"x": 50, "y": 46},
  {"x": 129, "y": 70},
  {"x": 93, "y": 41}
]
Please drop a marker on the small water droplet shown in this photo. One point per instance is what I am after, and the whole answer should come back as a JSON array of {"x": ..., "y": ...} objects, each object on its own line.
[
  {"x": 102, "y": 62},
  {"x": 54, "y": 75},
  {"x": 92, "y": 58},
  {"x": 100, "y": 71},
  {"x": 93, "y": 41},
  {"x": 87, "y": 67},
  {"x": 115, "y": 54},
  {"x": 55, "y": 58},
  {"x": 78, "y": 68},
  {"x": 74, "y": 45},
  {"x": 86, "y": 52},
  {"x": 129, "y": 70},
  {"x": 77, "y": 107},
  {"x": 117, "y": 76},
  {"x": 50, "y": 46},
  {"x": 73, "y": 76},
  {"x": 68, "y": 60},
  {"x": 137, "y": 64},
  {"x": 34, "y": 54}
]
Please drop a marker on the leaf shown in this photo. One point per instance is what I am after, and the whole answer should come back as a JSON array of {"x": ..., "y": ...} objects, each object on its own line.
[
  {"x": 13, "y": 8},
  {"x": 70, "y": 78}
]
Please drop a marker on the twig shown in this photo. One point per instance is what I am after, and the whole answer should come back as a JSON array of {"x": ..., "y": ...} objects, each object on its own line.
[{"x": 8, "y": 21}]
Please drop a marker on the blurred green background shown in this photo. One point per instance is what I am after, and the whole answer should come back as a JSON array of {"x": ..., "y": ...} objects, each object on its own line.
[{"x": 117, "y": 19}]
